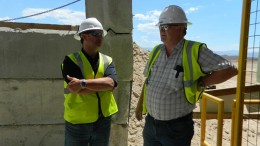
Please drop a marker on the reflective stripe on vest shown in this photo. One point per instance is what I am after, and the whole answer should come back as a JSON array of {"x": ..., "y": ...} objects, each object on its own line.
[
  {"x": 190, "y": 82},
  {"x": 192, "y": 70},
  {"x": 154, "y": 54},
  {"x": 152, "y": 57}
]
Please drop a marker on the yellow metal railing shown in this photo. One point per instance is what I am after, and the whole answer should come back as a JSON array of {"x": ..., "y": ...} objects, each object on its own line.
[
  {"x": 220, "y": 103},
  {"x": 234, "y": 118},
  {"x": 242, "y": 60}
]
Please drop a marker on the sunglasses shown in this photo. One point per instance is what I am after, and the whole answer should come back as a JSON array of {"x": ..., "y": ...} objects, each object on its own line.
[
  {"x": 166, "y": 26},
  {"x": 98, "y": 34}
]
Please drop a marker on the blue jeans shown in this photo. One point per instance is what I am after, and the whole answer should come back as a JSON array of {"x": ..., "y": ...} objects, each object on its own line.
[
  {"x": 176, "y": 132},
  {"x": 90, "y": 134}
]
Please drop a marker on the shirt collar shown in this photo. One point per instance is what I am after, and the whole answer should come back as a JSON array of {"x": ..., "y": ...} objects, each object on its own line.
[{"x": 178, "y": 47}]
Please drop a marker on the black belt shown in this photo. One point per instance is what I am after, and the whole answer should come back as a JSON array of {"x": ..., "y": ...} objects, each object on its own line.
[
  {"x": 180, "y": 119},
  {"x": 101, "y": 116}
]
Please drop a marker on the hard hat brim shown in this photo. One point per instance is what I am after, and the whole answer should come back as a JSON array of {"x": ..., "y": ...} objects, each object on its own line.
[{"x": 77, "y": 35}]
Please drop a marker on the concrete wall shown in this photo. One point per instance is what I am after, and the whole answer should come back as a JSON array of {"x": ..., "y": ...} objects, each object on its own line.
[
  {"x": 116, "y": 17},
  {"x": 31, "y": 84}
]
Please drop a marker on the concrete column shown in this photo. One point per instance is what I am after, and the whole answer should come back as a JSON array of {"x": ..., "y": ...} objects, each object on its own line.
[{"x": 116, "y": 17}]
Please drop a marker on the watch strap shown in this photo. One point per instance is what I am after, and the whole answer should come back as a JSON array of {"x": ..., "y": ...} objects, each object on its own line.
[{"x": 83, "y": 83}]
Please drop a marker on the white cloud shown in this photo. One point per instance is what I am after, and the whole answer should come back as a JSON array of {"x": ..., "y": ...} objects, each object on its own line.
[
  {"x": 147, "y": 43},
  {"x": 145, "y": 39},
  {"x": 147, "y": 27},
  {"x": 146, "y": 22},
  {"x": 192, "y": 9},
  {"x": 5, "y": 18},
  {"x": 63, "y": 16},
  {"x": 149, "y": 16},
  {"x": 149, "y": 33},
  {"x": 140, "y": 17}
]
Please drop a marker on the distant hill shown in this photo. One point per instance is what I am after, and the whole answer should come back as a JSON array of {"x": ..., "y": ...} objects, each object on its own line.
[
  {"x": 229, "y": 53},
  {"x": 235, "y": 53}
]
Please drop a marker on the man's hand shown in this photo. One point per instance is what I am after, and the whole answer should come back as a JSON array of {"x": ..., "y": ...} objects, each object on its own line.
[
  {"x": 138, "y": 113},
  {"x": 74, "y": 84},
  {"x": 139, "y": 107}
]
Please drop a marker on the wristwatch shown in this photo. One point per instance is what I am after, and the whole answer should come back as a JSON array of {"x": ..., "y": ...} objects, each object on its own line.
[{"x": 83, "y": 83}]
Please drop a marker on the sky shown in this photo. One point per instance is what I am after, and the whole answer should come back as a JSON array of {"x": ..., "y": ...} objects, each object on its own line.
[{"x": 214, "y": 22}]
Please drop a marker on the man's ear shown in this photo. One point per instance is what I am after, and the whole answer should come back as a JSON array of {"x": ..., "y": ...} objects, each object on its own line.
[{"x": 185, "y": 30}]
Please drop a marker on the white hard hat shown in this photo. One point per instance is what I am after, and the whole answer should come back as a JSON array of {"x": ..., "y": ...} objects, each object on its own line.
[
  {"x": 172, "y": 14},
  {"x": 89, "y": 24}
]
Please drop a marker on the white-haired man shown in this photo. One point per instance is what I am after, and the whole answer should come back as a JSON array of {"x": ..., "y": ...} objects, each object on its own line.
[{"x": 176, "y": 74}]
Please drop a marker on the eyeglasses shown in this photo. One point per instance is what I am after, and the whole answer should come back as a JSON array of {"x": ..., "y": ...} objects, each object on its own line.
[
  {"x": 166, "y": 26},
  {"x": 98, "y": 34}
]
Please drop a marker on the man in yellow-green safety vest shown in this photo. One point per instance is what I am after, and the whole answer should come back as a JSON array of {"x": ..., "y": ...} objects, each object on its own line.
[
  {"x": 176, "y": 74},
  {"x": 89, "y": 80}
]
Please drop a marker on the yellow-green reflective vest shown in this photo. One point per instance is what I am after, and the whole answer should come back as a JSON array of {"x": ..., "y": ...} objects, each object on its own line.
[
  {"x": 191, "y": 68},
  {"x": 83, "y": 108}
]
